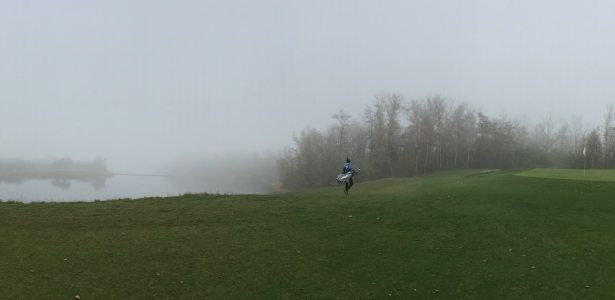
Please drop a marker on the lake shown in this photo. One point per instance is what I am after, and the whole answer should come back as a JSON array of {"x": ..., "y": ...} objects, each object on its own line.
[{"x": 117, "y": 186}]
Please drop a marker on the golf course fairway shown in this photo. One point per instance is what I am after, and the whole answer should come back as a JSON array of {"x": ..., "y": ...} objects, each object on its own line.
[
  {"x": 572, "y": 174},
  {"x": 449, "y": 235}
]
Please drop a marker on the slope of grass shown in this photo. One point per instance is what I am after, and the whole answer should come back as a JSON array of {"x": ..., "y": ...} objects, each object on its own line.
[
  {"x": 449, "y": 235},
  {"x": 573, "y": 174}
]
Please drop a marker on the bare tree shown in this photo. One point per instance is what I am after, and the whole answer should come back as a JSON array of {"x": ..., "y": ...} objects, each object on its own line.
[
  {"x": 438, "y": 108},
  {"x": 422, "y": 133},
  {"x": 376, "y": 148},
  {"x": 593, "y": 148},
  {"x": 461, "y": 130},
  {"x": 608, "y": 128},
  {"x": 392, "y": 107},
  {"x": 343, "y": 120},
  {"x": 578, "y": 132},
  {"x": 544, "y": 133}
]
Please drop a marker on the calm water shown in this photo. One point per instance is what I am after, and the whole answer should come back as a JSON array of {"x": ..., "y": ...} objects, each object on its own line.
[{"x": 118, "y": 186}]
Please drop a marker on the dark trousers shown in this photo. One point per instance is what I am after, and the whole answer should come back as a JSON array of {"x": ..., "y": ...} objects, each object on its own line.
[{"x": 349, "y": 183}]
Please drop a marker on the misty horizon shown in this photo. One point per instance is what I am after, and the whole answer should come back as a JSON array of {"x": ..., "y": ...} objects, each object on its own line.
[
  {"x": 207, "y": 90},
  {"x": 145, "y": 83},
  {"x": 158, "y": 167}
]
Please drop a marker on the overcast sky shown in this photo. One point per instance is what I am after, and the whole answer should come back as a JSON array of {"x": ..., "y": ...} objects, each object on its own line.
[{"x": 141, "y": 82}]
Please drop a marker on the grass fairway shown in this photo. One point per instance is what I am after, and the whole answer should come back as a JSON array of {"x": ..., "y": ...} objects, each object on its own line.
[
  {"x": 450, "y": 236},
  {"x": 573, "y": 174}
]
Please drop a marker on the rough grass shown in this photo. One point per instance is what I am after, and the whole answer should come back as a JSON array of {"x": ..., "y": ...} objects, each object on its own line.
[{"x": 450, "y": 235}]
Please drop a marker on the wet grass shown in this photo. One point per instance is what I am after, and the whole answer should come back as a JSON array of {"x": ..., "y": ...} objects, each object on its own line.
[{"x": 450, "y": 235}]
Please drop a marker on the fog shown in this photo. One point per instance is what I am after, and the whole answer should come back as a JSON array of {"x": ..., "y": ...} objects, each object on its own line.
[{"x": 149, "y": 84}]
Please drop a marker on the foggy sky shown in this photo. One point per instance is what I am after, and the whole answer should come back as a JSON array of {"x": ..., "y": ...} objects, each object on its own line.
[{"x": 141, "y": 82}]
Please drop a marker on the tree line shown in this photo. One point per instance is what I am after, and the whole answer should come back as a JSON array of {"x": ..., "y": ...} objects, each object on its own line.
[{"x": 395, "y": 137}]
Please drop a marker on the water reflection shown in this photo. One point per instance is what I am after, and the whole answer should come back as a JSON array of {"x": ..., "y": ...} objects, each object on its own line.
[
  {"x": 58, "y": 172},
  {"x": 66, "y": 180},
  {"x": 87, "y": 188},
  {"x": 97, "y": 182}
]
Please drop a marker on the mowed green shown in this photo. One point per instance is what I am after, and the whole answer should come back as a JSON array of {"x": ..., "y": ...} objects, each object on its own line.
[
  {"x": 573, "y": 174},
  {"x": 449, "y": 235}
]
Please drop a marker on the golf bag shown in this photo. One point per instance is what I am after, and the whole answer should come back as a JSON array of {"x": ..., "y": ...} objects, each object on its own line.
[{"x": 343, "y": 178}]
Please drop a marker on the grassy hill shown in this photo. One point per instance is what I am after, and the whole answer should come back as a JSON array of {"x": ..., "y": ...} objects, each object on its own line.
[{"x": 449, "y": 235}]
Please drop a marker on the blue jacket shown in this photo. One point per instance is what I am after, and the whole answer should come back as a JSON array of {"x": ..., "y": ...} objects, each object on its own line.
[{"x": 347, "y": 168}]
